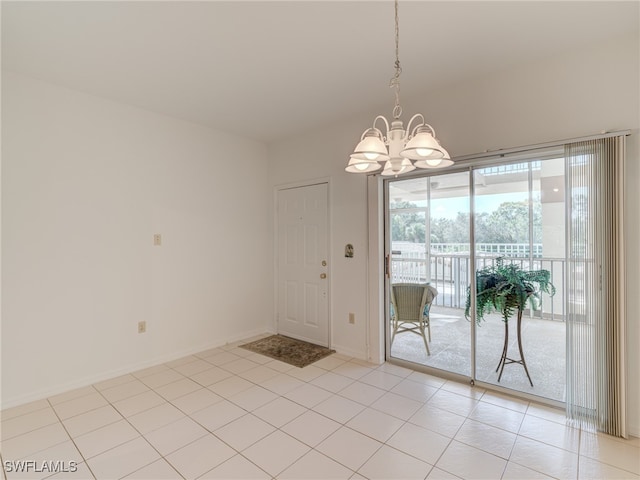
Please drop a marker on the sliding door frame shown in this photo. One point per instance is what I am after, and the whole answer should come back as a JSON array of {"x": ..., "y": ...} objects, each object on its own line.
[{"x": 470, "y": 164}]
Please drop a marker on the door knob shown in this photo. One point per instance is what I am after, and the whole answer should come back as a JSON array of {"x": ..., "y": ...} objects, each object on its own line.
[{"x": 323, "y": 275}]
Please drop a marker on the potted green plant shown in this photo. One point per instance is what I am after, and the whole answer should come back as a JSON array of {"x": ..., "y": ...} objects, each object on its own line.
[{"x": 506, "y": 288}]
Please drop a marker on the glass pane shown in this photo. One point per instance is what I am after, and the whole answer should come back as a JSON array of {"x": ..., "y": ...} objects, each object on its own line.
[
  {"x": 408, "y": 246},
  {"x": 519, "y": 229},
  {"x": 429, "y": 230}
]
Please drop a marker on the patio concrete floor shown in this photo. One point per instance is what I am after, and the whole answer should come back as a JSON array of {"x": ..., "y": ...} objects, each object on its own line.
[{"x": 543, "y": 343}]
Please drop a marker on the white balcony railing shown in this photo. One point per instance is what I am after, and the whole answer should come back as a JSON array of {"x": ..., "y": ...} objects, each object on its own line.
[{"x": 449, "y": 270}]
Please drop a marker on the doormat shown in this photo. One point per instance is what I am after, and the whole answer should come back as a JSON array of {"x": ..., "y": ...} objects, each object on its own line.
[{"x": 288, "y": 350}]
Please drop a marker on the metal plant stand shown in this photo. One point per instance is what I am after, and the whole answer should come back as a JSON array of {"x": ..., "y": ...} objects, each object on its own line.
[{"x": 504, "y": 359}]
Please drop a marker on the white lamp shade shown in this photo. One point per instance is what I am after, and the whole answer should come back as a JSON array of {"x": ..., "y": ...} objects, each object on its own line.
[
  {"x": 442, "y": 162},
  {"x": 423, "y": 146},
  {"x": 371, "y": 148},
  {"x": 357, "y": 165},
  {"x": 397, "y": 166}
]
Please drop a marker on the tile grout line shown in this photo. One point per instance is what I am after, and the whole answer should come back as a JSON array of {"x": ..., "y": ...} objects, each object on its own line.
[{"x": 71, "y": 439}]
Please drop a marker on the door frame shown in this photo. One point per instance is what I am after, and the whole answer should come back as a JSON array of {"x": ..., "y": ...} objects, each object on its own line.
[
  {"x": 288, "y": 186},
  {"x": 384, "y": 237}
]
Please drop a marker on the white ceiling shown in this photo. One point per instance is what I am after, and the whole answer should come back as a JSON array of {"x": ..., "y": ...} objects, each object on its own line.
[{"x": 266, "y": 70}]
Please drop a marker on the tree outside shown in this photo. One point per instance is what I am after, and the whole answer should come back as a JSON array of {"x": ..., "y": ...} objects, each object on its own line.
[{"x": 509, "y": 223}]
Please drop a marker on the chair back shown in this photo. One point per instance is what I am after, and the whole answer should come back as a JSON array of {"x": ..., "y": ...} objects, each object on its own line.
[{"x": 409, "y": 300}]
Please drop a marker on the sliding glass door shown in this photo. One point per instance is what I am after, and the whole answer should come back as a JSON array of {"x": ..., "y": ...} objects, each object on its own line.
[
  {"x": 519, "y": 221},
  {"x": 429, "y": 236},
  {"x": 445, "y": 228}
]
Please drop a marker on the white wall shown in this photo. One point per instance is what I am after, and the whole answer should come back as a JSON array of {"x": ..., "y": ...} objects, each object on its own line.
[
  {"x": 85, "y": 184},
  {"x": 557, "y": 98},
  {"x": 319, "y": 156}
]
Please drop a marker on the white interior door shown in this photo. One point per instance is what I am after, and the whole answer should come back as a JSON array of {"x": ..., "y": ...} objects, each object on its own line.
[{"x": 303, "y": 283}]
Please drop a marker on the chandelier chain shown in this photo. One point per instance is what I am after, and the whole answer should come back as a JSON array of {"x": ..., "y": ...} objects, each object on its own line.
[{"x": 395, "y": 81}]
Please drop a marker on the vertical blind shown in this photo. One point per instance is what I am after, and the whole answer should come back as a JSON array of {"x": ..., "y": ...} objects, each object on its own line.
[{"x": 595, "y": 304}]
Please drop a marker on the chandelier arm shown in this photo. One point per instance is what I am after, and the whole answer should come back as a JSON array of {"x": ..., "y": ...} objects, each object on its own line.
[
  {"x": 386, "y": 123},
  {"x": 410, "y": 132},
  {"x": 433, "y": 131},
  {"x": 368, "y": 130}
]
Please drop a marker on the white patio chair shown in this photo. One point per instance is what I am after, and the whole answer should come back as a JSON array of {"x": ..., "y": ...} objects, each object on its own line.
[{"x": 411, "y": 303}]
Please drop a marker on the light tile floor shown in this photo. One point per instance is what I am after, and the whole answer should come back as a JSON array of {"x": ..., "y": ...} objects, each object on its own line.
[{"x": 227, "y": 413}]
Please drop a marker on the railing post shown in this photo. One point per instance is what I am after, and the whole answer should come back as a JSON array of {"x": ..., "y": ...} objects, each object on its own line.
[{"x": 456, "y": 281}]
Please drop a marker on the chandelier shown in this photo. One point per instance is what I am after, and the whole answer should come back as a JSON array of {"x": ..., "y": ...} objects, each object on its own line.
[{"x": 400, "y": 150}]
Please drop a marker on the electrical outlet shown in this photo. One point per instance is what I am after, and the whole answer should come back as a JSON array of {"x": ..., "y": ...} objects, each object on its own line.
[
  {"x": 142, "y": 327},
  {"x": 352, "y": 318},
  {"x": 157, "y": 239}
]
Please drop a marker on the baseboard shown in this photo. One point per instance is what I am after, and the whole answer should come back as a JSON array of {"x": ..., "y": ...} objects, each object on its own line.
[
  {"x": 90, "y": 380},
  {"x": 349, "y": 352}
]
